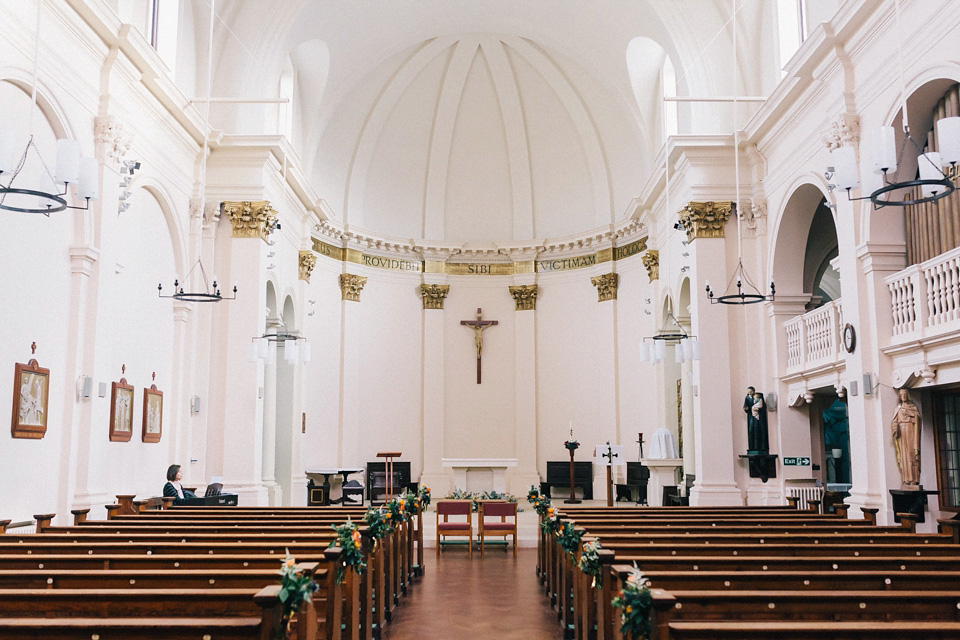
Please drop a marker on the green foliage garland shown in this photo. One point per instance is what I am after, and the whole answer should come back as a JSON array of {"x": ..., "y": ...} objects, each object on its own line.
[
  {"x": 460, "y": 494},
  {"x": 635, "y": 603},
  {"x": 295, "y": 589},
  {"x": 550, "y": 525},
  {"x": 424, "y": 497},
  {"x": 569, "y": 537},
  {"x": 349, "y": 541},
  {"x": 540, "y": 504},
  {"x": 590, "y": 560},
  {"x": 376, "y": 520}
]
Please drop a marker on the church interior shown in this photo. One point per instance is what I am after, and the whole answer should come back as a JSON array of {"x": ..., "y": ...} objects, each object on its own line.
[{"x": 612, "y": 280}]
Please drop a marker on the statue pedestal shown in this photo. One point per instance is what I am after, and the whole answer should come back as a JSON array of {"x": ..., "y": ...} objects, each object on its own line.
[
  {"x": 663, "y": 473},
  {"x": 762, "y": 465},
  {"x": 910, "y": 501}
]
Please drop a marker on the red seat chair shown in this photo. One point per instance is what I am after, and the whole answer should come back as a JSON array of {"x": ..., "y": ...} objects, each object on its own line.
[
  {"x": 447, "y": 508},
  {"x": 501, "y": 527}
]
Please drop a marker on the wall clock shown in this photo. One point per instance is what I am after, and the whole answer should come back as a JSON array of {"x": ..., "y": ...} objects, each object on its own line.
[{"x": 849, "y": 338}]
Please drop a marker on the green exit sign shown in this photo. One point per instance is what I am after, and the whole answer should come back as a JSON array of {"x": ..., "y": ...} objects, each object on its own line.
[{"x": 796, "y": 462}]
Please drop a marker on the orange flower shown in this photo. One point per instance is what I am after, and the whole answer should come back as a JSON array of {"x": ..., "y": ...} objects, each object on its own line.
[
  {"x": 550, "y": 512},
  {"x": 290, "y": 562},
  {"x": 356, "y": 538}
]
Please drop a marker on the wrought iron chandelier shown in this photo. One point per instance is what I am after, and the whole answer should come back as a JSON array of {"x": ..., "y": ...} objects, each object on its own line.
[
  {"x": 294, "y": 348},
  {"x": 936, "y": 170},
  {"x": 654, "y": 348},
  {"x": 51, "y": 195},
  {"x": 210, "y": 292},
  {"x": 744, "y": 295}
]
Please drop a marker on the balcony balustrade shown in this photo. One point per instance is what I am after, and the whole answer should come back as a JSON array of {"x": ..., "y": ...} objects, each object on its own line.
[
  {"x": 813, "y": 339},
  {"x": 925, "y": 298}
]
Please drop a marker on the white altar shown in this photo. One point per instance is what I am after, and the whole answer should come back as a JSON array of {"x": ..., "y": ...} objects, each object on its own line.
[
  {"x": 663, "y": 473},
  {"x": 480, "y": 474}
]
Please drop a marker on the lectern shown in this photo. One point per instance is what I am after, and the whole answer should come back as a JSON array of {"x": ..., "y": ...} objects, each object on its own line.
[{"x": 388, "y": 457}]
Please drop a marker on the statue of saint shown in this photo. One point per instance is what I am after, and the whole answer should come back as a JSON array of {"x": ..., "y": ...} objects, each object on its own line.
[
  {"x": 906, "y": 426},
  {"x": 756, "y": 410}
]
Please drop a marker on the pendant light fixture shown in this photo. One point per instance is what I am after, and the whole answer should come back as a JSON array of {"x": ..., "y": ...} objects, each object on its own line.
[
  {"x": 935, "y": 168},
  {"x": 50, "y": 195},
  {"x": 747, "y": 292},
  {"x": 654, "y": 348}
]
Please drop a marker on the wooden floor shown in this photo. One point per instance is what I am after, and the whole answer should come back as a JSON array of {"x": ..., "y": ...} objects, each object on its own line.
[{"x": 497, "y": 598}]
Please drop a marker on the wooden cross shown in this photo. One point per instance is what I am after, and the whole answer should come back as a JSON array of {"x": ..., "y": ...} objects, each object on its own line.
[
  {"x": 478, "y": 326},
  {"x": 33, "y": 348},
  {"x": 640, "y": 442}
]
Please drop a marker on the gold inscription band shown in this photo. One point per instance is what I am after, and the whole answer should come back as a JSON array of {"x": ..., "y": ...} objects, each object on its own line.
[{"x": 480, "y": 268}]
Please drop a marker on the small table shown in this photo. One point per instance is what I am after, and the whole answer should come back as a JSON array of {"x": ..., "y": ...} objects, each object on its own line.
[
  {"x": 389, "y": 456},
  {"x": 325, "y": 486}
]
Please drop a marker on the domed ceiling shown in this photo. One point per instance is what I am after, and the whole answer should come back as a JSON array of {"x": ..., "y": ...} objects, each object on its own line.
[{"x": 479, "y": 138}]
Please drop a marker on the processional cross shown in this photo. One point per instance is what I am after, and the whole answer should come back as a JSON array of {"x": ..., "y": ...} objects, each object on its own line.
[{"x": 478, "y": 326}]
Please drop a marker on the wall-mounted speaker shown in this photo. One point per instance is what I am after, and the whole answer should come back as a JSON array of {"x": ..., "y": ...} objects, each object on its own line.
[
  {"x": 853, "y": 389},
  {"x": 867, "y": 385},
  {"x": 102, "y": 391},
  {"x": 195, "y": 404},
  {"x": 84, "y": 387}
]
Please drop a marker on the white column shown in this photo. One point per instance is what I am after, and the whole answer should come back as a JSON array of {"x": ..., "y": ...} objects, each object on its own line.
[
  {"x": 432, "y": 410},
  {"x": 179, "y": 407},
  {"x": 607, "y": 411},
  {"x": 351, "y": 335},
  {"x": 274, "y": 325},
  {"x": 714, "y": 413},
  {"x": 525, "y": 406},
  {"x": 235, "y": 388}
]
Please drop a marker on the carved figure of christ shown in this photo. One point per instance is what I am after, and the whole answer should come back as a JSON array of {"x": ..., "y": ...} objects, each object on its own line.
[{"x": 478, "y": 326}]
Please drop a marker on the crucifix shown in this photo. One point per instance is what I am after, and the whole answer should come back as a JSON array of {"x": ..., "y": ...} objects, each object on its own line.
[
  {"x": 640, "y": 442},
  {"x": 478, "y": 326}
]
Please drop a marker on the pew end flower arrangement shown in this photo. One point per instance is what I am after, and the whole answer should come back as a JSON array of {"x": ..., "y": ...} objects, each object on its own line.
[
  {"x": 350, "y": 542},
  {"x": 635, "y": 603},
  {"x": 295, "y": 590},
  {"x": 590, "y": 561},
  {"x": 424, "y": 495},
  {"x": 568, "y": 537},
  {"x": 375, "y": 518}
]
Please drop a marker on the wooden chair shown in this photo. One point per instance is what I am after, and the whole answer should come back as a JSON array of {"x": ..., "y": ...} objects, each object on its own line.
[
  {"x": 503, "y": 510},
  {"x": 448, "y": 508}
]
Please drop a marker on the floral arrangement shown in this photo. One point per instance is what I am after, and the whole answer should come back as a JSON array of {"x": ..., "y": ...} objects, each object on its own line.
[
  {"x": 550, "y": 524},
  {"x": 571, "y": 445},
  {"x": 375, "y": 518},
  {"x": 540, "y": 504},
  {"x": 590, "y": 560},
  {"x": 349, "y": 541},
  {"x": 635, "y": 603},
  {"x": 460, "y": 494},
  {"x": 424, "y": 497},
  {"x": 411, "y": 503},
  {"x": 295, "y": 589},
  {"x": 569, "y": 537},
  {"x": 397, "y": 512}
]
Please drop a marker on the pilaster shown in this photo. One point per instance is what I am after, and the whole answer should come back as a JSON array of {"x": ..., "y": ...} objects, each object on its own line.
[
  {"x": 524, "y": 292},
  {"x": 432, "y": 407},
  {"x": 714, "y": 413}
]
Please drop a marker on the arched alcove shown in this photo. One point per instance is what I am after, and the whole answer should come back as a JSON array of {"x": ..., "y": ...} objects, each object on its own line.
[{"x": 789, "y": 256}]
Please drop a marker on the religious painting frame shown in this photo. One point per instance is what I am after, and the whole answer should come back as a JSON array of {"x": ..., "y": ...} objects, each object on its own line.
[
  {"x": 152, "y": 425},
  {"x": 31, "y": 396},
  {"x": 121, "y": 411}
]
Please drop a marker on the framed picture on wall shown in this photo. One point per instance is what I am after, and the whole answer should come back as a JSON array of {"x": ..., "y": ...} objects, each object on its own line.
[
  {"x": 152, "y": 414},
  {"x": 121, "y": 411},
  {"x": 31, "y": 391}
]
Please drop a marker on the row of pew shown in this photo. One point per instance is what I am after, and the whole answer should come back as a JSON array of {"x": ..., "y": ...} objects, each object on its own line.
[
  {"x": 776, "y": 573},
  {"x": 209, "y": 573}
]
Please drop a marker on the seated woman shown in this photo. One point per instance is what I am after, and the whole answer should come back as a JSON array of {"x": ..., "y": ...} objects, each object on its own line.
[{"x": 173, "y": 488}]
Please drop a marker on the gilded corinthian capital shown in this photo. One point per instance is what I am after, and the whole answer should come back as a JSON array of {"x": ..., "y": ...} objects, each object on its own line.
[
  {"x": 705, "y": 219},
  {"x": 433, "y": 295},
  {"x": 351, "y": 286},
  {"x": 307, "y": 262},
  {"x": 251, "y": 219},
  {"x": 651, "y": 260},
  {"x": 606, "y": 286},
  {"x": 525, "y": 296}
]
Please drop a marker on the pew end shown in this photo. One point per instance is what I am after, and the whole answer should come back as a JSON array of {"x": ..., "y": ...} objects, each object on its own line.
[
  {"x": 909, "y": 521},
  {"x": 112, "y": 510},
  {"x": 43, "y": 521},
  {"x": 79, "y": 515},
  {"x": 3, "y": 525},
  {"x": 947, "y": 525},
  {"x": 870, "y": 514},
  {"x": 793, "y": 502},
  {"x": 813, "y": 505}
]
